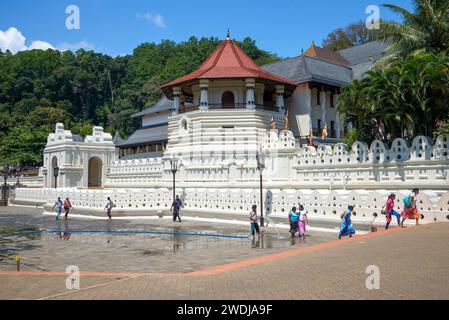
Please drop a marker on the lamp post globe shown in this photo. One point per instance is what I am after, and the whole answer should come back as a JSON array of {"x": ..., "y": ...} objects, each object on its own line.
[
  {"x": 174, "y": 169},
  {"x": 56, "y": 174}
]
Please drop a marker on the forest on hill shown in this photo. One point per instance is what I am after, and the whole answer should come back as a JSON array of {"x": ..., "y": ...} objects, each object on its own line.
[{"x": 82, "y": 89}]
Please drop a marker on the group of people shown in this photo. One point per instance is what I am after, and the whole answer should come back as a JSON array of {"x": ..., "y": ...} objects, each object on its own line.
[
  {"x": 410, "y": 212},
  {"x": 59, "y": 205},
  {"x": 298, "y": 218},
  {"x": 67, "y": 205},
  {"x": 410, "y": 209}
]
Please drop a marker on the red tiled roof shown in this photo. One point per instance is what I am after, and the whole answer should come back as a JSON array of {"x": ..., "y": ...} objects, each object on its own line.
[{"x": 228, "y": 61}]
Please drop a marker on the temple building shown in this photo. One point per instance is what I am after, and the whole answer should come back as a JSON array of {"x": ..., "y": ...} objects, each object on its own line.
[
  {"x": 229, "y": 80},
  {"x": 319, "y": 75},
  {"x": 219, "y": 139},
  {"x": 150, "y": 139}
]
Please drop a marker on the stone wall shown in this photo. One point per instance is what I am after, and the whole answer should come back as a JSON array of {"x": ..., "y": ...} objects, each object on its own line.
[{"x": 325, "y": 179}]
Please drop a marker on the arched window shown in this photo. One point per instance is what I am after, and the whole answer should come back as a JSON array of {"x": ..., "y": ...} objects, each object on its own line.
[{"x": 227, "y": 100}]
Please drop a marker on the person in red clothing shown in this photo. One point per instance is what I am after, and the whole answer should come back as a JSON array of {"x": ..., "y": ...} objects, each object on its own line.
[
  {"x": 67, "y": 206},
  {"x": 390, "y": 211}
]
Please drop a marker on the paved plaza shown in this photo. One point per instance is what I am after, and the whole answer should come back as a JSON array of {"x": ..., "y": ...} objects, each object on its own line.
[{"x": 413, "y": 262}]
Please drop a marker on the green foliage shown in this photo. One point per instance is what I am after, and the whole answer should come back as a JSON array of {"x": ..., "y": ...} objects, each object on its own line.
[
  {"x": 425, "y": 30},
  {"x": 82, "y": 128},
  {"x": 353, "y": 35},
  {"x": 82, "y": 89},
  {"x": 442, "y": 129},
  {"x": 405, "y": 99},
  {"x": 352, "y": 137}
]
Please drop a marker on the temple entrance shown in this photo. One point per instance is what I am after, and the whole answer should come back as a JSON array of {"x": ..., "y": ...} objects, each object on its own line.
[
  {"x": 227, "y": 100},
  {"x": 53, "y": 179},
  {"x": 95, "y": 173}
]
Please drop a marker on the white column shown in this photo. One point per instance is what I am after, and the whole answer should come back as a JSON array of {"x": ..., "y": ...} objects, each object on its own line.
[
  {"x": 280, "y": 98},
  {"x": 204, "y": 97},
  {"x": 250, "y": 100},
  {"x": 337, "y": 118},
  {"x": 323, "y": 107},
  {"x": 176, "y": 99},
  {"x": 308, "y": 102}
]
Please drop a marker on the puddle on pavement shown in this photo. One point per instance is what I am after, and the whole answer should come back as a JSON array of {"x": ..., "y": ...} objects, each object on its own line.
[{"x": 46, "y": 244}]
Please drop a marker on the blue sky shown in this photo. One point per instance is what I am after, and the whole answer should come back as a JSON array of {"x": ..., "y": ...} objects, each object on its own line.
[{"x": 116, "y": 27}]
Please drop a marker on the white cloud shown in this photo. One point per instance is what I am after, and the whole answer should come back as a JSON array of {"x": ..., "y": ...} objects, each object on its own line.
[
  {"x": 157, "y": 19},
  {"x": 40, "y": 45},
  {"x": 75, "y": 46},
  {"x": 14, "y": 41}
]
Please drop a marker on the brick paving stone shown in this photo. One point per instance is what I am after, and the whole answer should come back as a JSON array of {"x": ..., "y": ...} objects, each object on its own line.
[{"x": 413, "y": 264}]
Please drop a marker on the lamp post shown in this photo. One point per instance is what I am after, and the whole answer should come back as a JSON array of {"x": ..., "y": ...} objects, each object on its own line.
[
  {"x": 19, "y": 169},
  {"x": 5, "y": 185},
  {"x": 174, "y": 169},
  {"x": 260, "y": 166},
  {"x": 56, "y": 174}
]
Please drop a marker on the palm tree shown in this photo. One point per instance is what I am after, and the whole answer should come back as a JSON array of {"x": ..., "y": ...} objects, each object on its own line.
[
  {"x": 425, "y": 30},
  {"x": 354, "y": 108}
]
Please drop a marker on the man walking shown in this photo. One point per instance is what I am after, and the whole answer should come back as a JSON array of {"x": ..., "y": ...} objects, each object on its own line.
[
  {"x": 175, "y": 207},
  {"x": 254, "y": 223},
  {"x": 108, "y": 207},
  {"x": 58, "y": 205}
]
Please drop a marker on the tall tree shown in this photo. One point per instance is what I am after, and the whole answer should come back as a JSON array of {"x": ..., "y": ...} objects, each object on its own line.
[
  {"x": 353, "y": 35},
  {"x": 405, "y": 99},
  {"x": 425, "y": 30}
]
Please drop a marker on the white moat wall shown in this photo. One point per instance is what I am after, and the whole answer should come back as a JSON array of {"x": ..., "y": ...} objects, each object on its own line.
[{"x": 325, "y": 179}]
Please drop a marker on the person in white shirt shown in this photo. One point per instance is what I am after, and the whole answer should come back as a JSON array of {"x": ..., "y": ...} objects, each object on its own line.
[
  {"x": 108, "y": 207},
  {"x": 253, "y": 221},
  {"x": 303, "y": 220}
]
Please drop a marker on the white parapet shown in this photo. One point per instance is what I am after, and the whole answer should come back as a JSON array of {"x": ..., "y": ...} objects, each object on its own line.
[{"x": 217, "y": 171}]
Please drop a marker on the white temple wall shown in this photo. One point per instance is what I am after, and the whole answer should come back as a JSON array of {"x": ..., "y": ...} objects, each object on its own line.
[
  {"x": 321, "y": 204},
  {"x": 325, "y": 179}
]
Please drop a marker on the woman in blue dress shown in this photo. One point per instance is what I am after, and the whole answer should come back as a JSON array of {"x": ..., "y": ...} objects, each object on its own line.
[
  {"x": 294, "y": 218},
  {"x": 346, "y": 228}
]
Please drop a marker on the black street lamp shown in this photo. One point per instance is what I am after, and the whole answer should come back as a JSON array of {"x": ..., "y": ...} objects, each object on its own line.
[
  {"x": 5, "y": 185},
  {"x": 261, "y": 166},
  {"x": 174, "y": 169},
  {"x": 19, "y": 169},
  {"x": 56, "y": 174}
]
